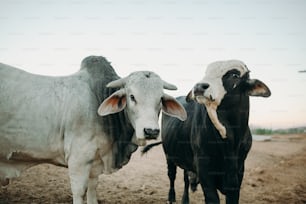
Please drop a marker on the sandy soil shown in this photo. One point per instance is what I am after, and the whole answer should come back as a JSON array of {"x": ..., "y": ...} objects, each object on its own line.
[{"x": 275, "y": 174}]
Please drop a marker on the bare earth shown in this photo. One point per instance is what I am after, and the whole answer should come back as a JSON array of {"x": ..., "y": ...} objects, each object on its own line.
[{"x": 275, "y": 174}]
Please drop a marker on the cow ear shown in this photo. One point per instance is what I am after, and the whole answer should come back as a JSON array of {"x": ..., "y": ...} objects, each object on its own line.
[
  {"x": 256, "y": 87},
  {"x": 173, "y": 108},
  {"x": 113, "y": 104}
]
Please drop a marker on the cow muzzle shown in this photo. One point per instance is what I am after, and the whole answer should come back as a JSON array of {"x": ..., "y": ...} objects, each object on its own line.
[
  {"x": 151, "y": 134},
  {"x": 200, "y": 93},
  {"x": 200, "y": 88}
]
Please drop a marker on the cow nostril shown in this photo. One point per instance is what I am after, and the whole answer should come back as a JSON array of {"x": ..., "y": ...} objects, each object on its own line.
[
  {"x": 200, "y": 88},
  {"x": 203, "y": 85},
  {"x": 151, "y": 133}
]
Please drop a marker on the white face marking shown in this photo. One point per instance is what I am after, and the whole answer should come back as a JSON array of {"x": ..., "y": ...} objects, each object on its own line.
[{"x": 213, "y": 76}]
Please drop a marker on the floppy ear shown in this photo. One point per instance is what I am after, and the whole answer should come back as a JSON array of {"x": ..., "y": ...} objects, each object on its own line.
[
  {"x": 173, "y": 108},
  {"x": 113, "y": 104},
  {"x": 256, "y": 87}
]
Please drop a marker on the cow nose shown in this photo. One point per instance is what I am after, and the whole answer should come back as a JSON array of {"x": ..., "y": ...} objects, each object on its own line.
[
  {"x": 200, "y": 88},
  {"x": 151, "y": 133}
]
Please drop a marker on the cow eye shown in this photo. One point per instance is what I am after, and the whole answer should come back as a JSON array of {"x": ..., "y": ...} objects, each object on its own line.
[
  {"x": 235, "y": 76},
  {"x": 132, "y": 97}
]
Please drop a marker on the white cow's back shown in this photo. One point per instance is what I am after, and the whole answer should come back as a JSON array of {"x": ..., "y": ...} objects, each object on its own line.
[{"x": 33, "y": 112}]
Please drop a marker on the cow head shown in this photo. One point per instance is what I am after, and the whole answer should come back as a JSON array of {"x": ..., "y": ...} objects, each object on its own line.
[
  {"x": 141, "y": 96},
  {"x": 225, "y": 79}
]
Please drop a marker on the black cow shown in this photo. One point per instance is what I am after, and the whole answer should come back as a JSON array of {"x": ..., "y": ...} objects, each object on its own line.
[{"x": 212, "y": 144}]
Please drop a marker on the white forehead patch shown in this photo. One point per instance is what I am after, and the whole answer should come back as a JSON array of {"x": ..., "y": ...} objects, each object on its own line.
[
  {"x": 219, "y": 68},
  {"x": 144, "y": 84},
  {"x": 144, "y": 79}
]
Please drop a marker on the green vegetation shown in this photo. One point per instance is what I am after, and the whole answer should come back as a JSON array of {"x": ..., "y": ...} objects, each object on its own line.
[
  {"x": 267, "y": 131},
  {"x": 262, "y": 131}
]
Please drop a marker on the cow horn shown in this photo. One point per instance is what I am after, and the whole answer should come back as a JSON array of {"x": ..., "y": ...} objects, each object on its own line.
[
  {"x": 119, "y": 83},
  {"x": 169, "y": 86}
]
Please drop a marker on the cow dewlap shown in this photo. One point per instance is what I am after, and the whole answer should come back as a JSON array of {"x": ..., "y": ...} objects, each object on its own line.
[{"x": 212, "y": 113}]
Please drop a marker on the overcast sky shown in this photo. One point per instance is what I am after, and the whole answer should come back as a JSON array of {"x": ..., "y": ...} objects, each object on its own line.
[{"x": 176, "y": 39}]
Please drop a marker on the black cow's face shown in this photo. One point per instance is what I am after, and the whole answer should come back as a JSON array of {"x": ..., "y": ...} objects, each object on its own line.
[
  {"x": 224, "y": 79},
  {"x": 220, "y": 78}
]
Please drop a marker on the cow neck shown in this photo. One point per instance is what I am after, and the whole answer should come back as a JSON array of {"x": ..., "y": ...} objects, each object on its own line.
[
  {"x": 233, "y": 112},
  {"x": 200, "y": 118},
  {"x": 118, "y": 127}
]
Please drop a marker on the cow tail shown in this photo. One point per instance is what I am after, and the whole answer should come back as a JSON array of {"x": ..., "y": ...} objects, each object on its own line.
[{"x": 149, "y": 146}]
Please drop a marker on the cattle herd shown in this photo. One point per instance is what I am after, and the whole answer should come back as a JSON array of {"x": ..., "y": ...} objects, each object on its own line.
[{"x": 92, "y": 121}]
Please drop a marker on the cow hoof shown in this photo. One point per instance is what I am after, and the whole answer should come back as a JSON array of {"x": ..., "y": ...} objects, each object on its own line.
[
  {"x": 171, "y": 202},
  {"x": 5, "y": 182}
]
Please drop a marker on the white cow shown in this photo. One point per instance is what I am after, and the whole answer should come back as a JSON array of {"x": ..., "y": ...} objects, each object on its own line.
[{"x": 62, "y": 121}]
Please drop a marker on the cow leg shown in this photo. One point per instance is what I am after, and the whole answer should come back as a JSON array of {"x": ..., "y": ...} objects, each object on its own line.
[
  {"x": 172, "y": 176},
  {"x": 232, "y": 197},
  {"x": 193, "y": 180},
  {"x": 231, "y": 182},
  {"x": 207, "y": 182},
  {"x": 210, "y": 194},
  {"x": 79, "y": 166},
  {"x": 185, "y": 198},
  {"x": 96, "y": 170},
  {"x": 232, "y": 187},
  {"x": 91, "y": 191},
  {"x": 79, "y": 178}
]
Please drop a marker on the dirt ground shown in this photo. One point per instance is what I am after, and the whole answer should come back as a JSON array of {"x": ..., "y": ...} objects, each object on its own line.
[{"x": 275, "y": 174}]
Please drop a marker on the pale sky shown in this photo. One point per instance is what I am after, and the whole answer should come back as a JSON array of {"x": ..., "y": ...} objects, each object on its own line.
[{"x": 176, "y": 39}]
